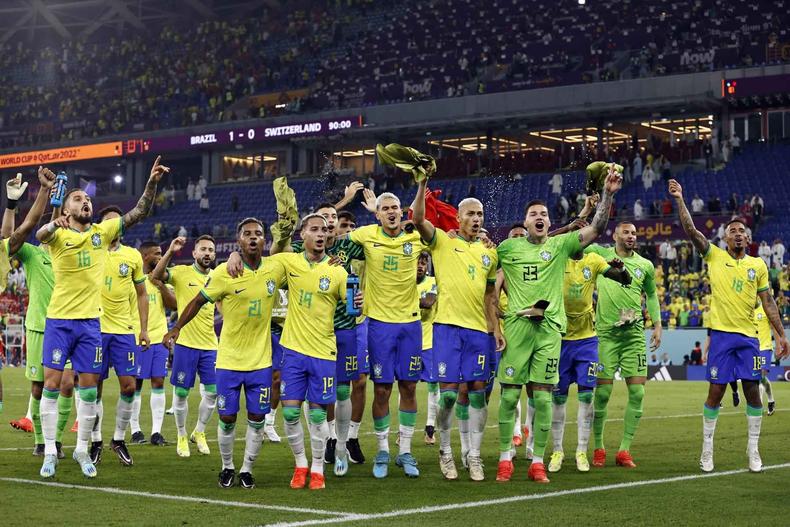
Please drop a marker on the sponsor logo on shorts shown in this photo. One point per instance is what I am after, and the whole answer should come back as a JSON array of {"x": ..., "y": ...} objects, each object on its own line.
[
  {"x": 751, "y": 274},
  {"x": 510, "y": 372},
  {"x": 221, "y": 402},
  {"x": 323, "y": 283},
  {"x": 545, "y": 255},
  {"x": 57, "y": 354},
  {"x": 486, "y": 260},
  {"x": 714, "y": 372},
  {"x": 442, "y": 369},
  {"x": 587, "y": 273},
  {"x": 407, "y": 248},
  {"x": 270, "y": 287},
  {"x": 377, "y": 370},
  {"x": 96, "y": 240},
  {"x": 123, "y": 269},
  {"x": 181, "y": 376}
]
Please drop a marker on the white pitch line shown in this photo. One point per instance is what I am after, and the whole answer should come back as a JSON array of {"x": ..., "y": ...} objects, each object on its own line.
[
  {"x": 513, "y": 499},
  {"x": 190, "y": 499}
]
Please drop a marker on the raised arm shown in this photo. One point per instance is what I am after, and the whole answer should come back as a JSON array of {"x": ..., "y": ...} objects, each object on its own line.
[
  {"x": 44, "y": 234},
  {"x": 772, "y": 311},
  {"x": 189, "y": 312},
  {"x": 349, "y": 194},
  {"x": 143, "y": 206},
  {"x": 14, "y": 190},
  {"x": 697, "y": 238},
  {"x": 588, "y": 234},
  {"x": 47, "y": 179},
  {"x": 160, "y": 271},
  {"x": 142, "y": 310},
  {"x": 424, "y": 227}
]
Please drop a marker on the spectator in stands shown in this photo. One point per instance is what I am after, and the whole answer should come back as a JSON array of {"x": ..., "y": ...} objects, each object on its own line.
[
  {"x": 195, "y": 230},
  {"x": 683, "y": 254},
  {"x": 666, "y": 207},
  {"x": 639, "y": 210},
  {"x": 665, "y": 361},
  {"x": 736, "y": 144},
  {"x": 182, "y": 231},
  {"x": 725, "y": 151},
  {"x": 668, "y": 255},
  {"x": 714, "y": 205},
  {"x": 697, "y": 205},
  {"x": 191, "y": 190},
  {"x": 695, "y": 315},
  {"x": 666, "y": 168},
  {"x": 707, "y": 149},
  {"x": 653, "y": 360},
  {"x": 202, "y": 186},
  {"x": 696, "y": 354},
  {"x": 204, "y": 203},
  {"x": 745, "y": 210},
  {"x": 765, "y": 252},
  {"x": 637, "y": 165},
  {"x": 216, "y": 231},
  {"x": 778, "y": 252},
  {"x": 556, "y": 184},
  {"x": 170, "y": 195},
  {"x": 758, "y": 208},
  {"x": 666, "y": 314},
  {"x": 158, "y": 231},
  {"x": 686, "y": 360},
  {"x": 648, "y": 176}
]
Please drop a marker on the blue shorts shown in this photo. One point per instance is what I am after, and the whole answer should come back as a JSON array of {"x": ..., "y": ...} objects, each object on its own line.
[
  {"x": 428, "y": 366},
  {"x": 306, "y": 378},
  {"x": 493, "y": 364},
  {"x": 120, "y": 352},
  {"x": 578, "y": 364},
  {"x": 347, "y": 365},
  {"x": 733, "y": 356},
  {"x": 765, "y": 359},
  {"x": 257, "y": 390},
  {"x": 189, "y": 362},
  {"x": 395, "y": 351},
  {"x": 277, "y": 352},
  {"x": 362, "y": 348},
  {"x": 76, "y": 340},
  {"x": 152, "y": 363},
  {"x": 461, "y": 354}
]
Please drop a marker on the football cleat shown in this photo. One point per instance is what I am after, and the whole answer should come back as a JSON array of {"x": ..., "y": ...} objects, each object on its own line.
[
  {"x": 582, "y": 463},
  {"x": 24, "y": 424},
  {"x": 355, "y": 454},
  {"x": 199, "y": 438},
  {"x": 341, "y": 464},
  {"x": 75, "y": 426},
  {"x": 429, "y": 435},
  {"x": 48, "y": 467},
  {"x": 736, "y": 399},
  {"x": 771, "y": 407},
  {"x": 95, "y": 452},
  {"x": 599, "y": 457},
  {"x": 59, "y": 447},
  {"x": 299, "y": 479},
  {"x": 246, "y": 481},
  {"x": 476, "y": 468},
  {"x": 755, "y": 463},
  {"x": 182, "y": 447},
  {"x": 316, "y": 481},
  {"x": 122, "y": 451},
  {"x": 504, "y": 471},
  {"x": 447, "y": 466},
  {"x": 329, "y": 452},
  {"x": 158, "y": 439},
  {"x": 226, "y": 478},
  {"x": 706, "y": 461},
  {"x": 138, "y": 438},
  {"x": 381, "y": 464},
  {"x": 624, "y": 459},
  {"x": 555, "y": 463},
  {"x": 517, "y": 441},
  {"x": 38, "y": 450},
  {"x": 537, "y": 473},
  {"x": 84, "y": 461},
  {"x": 409, "y": 465},
  {"x": 270, "y": 434}
]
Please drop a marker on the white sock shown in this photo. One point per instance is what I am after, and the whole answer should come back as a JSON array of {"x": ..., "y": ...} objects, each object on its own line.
[
  {"x": 318, "y": 435},
  {"x": 252, "y": 446},
  {"x": 269, "y": 419},
  {"x": 754, "y": 422},
  {"x": 769, "y": 390},
  {"x": 208, "y": 401},
  {"x": 123, "y": 412},
  {"x": 180, "y": 410},
  {"x": 557, "y": 425},
  {"x": 383, "y": 439},
  {"x": 331, "y": 428},
  {"x": 173, "y": 401},
  {"x": 463, "y": 431},
  {"x": 157, "y": 411},
  {"x": 528, "y": 423},
  {"x": 584, "y": 425},
  {"x": 505, "y": 456},
  {"x": 406, "y": 433},
  {"x": 708, "y": 430},
  {"x": 517, "y": 420},
  {"x": 342, "y": 423},
  {"x": 98, "y": 412},
  {"x": 49, "y": 424},
  {"x": 433, "y": 408},
  {"x": 477, "y": 426},
  {"x": 445, "y": 428},
  {"x": 29, "y": 414},
  {"x": 225, "y": 437},
  {"x": 295, "y": 434},
  {"x": 537, "y": 459},
  {"x": 761, "y": 388},
  {"x": 353, "y": 430},
  {"x": 87, "y": 415},
  {"x": 134, "y": 422}
]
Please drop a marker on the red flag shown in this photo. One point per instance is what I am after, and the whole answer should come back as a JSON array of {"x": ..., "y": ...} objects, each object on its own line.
[{"x": 443, "y": 215}]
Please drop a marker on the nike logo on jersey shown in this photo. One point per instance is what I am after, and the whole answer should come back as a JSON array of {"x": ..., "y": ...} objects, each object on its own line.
[
  {"x": 69, "y": 244},
  {"x": 293, "y": 275},
  {"x": 458, "y": 250},
  {"x": 377, "y": 244},
  {"x": 192, "y": 285},
  {"x": 729, "y": 265},
  {"x": 240, "y": 290}
]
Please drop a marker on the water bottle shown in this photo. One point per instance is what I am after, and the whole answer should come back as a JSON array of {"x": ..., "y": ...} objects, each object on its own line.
[
  {"x": 352, "y": 286},
  {"x": 61, "y": 182}
]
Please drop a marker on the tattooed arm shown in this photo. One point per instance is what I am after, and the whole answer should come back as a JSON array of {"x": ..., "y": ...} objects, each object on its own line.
[
  {"x": 143, "y": 206},
  {"x": 769, "y": 305},
  {"x": 588, "y": 234},
  {"x": 697, "y": 238}
]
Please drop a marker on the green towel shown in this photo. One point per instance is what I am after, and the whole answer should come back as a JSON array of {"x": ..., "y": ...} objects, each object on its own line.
[
  {"x": 287, "y": 212},
  {"x": 420, "y": 166},
  {"x": 596, "y": 175}
]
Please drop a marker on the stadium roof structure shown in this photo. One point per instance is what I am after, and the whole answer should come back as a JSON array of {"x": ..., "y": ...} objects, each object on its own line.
[{"x": 69, "y": 19}]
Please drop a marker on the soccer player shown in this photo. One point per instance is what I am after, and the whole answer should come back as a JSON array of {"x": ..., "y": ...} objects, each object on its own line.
[
  {"x": 79, "y": 252},
  {"x": 534, "y": 268},
  {"x": 196, "y": 352},
  {"x": 394, "y": 329},
  {"x": 736, "y": 280},
  {"x": 466, "y": 318},
  {"x": 153, "y": 363},
  {"x": 308, "y": 371},
  {"x": 621, "y": 339},
  {"x": 426, "y": 288},
  {"x": 123, "y": 278},
  {"x": 244, "y": 356},
  {"x": 764, "y": 335}
]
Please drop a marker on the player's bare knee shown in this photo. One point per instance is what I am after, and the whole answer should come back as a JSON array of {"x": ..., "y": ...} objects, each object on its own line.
[
  {"x": 157, "y": 383},
  {"x": 230, "y": 419},
  {"x": 36, "y": 388}
]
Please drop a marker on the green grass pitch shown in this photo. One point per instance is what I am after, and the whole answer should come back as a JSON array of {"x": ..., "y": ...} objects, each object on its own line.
[{"x": 666, "y": 488}]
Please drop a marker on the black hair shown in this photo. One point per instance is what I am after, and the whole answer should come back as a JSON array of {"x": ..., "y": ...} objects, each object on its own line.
[
  {"x": 736, "y": 219},
  {"x": 108, "y": 209},
  {"x": 345, "y": 214},
  {"x": 517, "y": 226},
  {"x": 326, "y": 205},
  {"x": 69, "y": 193},
  {"x": 245, "y": 221},
  {"x": 148, "y": 244},
  {"x": 205, "y": 237},
  {"x": 533, "y": 203}
]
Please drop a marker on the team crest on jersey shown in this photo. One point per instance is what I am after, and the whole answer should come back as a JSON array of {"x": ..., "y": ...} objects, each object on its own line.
[
  {"x": 486, "y": 260},
  {"x": 220, "y": 402},
  {"x": 545, "y": 255},
  {"x": 323, "y": 283},
  {"x": 714, "y": 373},
  {"x": 442, "y": 369},
  {"x": 270, "y": 286},
  {"x": 57, "y": 354},
  {"x": 377, "y": 370},
  {"x": 638, "y": 273},
  {"x": 407, "y": 248},
  {"x": 510, "y": 371},
  {"x": 123, "y": 269},
  {"x": 181, "y": 376},
  {"x": 751, "y": 274},
  {"x": 586, "y": 273},
  {"x": 96, "y": 240}
]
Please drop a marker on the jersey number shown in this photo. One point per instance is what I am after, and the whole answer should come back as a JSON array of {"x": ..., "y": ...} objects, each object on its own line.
[
  {"x": 390, "y": 263},
  {"x": 642, "y": 361},
  {"x": 530, "y": 273},
  {"x": 351, "y": 364},
  {"x": 328, "y": 383},
  {"x": 305, "y": 298},
  {"x": 83, "y": 259},
  {"x": 98, "y": 358},
  {"x": 263, "y": 400},
  {"x": 471, "y": 271},
  {"x": 108, "y": 282},
  {"x": 254, "y": 310},
  {"x": 551, "y": 366},
  {"x": 737, "y": 285},
  {"x": 415, "y": 364},
  {"x": 575, "y": 291},
  {"x": 130, "y": 356}
]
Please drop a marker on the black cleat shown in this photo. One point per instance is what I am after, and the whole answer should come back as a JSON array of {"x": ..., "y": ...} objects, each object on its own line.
[
  {"x": 158, "y": 439},
  {"x": 226, "y": 478},
  {"x": 119, "y": 447},
  {"x": 246, "y": 480},
  {"x": 329, "y": 453},
  {"x": 38, "y": 450},
  {"x": 736, "y": 399},
  {"x": 59, "y": 446},
  {"x": 138, "y": 438},
  {"x": 354, "y": 451},
  {"x": 95, "y": 453},
  {"x": 771, "y": 407}
]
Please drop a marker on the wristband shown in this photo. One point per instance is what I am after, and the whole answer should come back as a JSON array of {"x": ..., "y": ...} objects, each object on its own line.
[{"x": 11, "y": 203}]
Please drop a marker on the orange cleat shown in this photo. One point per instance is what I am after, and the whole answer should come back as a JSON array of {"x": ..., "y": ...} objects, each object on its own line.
[
  {"x": 537, "y": 473},
  {"x": 517, "y": 441},
  {"x": 316, "y": 481},
  {"x": 599, "y": 457},
  {"x": 24, "y": 424},
  {"x": 299, "y": 479},
  {"x": 525, "y": 430},
  {"x": 624, "y": 459},
  {"x": 75, "y": 426},
  {"x": 504, "y": 471}
]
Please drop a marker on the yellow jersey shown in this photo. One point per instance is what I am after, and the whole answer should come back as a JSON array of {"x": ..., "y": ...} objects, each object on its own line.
[
  {"x": 245, "y": 343},
  {"x": 580, "y": 277},
  {"x": 314, "y": 290},
  {"x": 763, "y": 325},
  {"x": 427, "y": 316},
  {"x": 463, "y": 271},
  {"x": 188, "y": 281},
  {"x": 124, "y": 269},
  {"x": 390, "y": 273},
  {"x": 734, "y": 286},
  {"x": 157, "y": 318},
  {"x": 78, "y": 261}
]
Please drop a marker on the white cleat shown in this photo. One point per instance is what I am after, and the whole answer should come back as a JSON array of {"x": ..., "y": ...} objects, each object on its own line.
[
  {"x": 271, "y": 434},
  {"x": 706, "y": 461},
  {"x": 447, "y": 466},
  {"x": 755, "y": 462},
  {"x": 582, "y": 463},
  {"x": 341, "y": 464},
  {"x": 475, "y": 468},
  {"x": 555, "y": 463},
  {"x": 87, "y": 466},
  {"x": 49, "y": 465}
]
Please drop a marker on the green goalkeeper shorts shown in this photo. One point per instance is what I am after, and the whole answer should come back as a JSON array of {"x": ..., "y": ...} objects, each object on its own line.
[
  {"x": 622, "y": 347},
  {"x": 34, "y": 370},
  {"x": 532, "y": 353}
]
